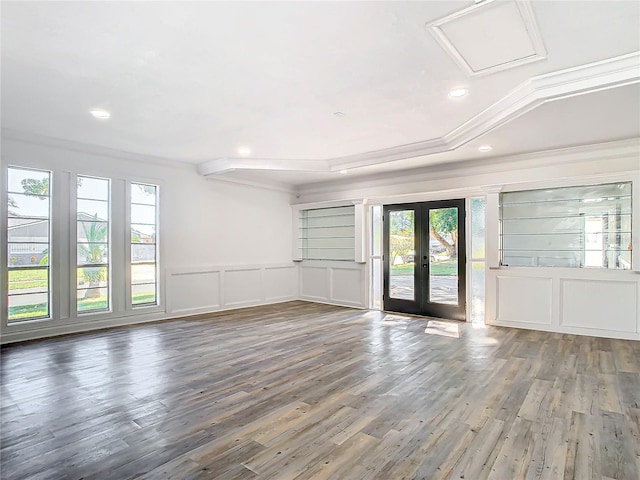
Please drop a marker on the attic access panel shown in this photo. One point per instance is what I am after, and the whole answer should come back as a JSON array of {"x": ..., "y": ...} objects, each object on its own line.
[{"x": 490, "y": 36}]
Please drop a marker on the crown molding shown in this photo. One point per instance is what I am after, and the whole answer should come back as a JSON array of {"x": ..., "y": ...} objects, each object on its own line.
[
  {"x": 629, "y": 148},
  {"x": 224, "y": 165},
  {"x": 590, "y": 78},
  {"x": 262, "y": 184},
  {"x": 42, "y": 140}
]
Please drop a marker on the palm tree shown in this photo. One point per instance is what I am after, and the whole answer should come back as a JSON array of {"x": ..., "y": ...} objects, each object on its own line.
[{"x": 95, "y": 231}]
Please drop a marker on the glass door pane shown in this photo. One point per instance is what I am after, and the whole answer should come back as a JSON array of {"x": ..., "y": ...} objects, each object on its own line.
[
  {"x": 402, "y": 254},
  {"x": 443, "y": 256}
]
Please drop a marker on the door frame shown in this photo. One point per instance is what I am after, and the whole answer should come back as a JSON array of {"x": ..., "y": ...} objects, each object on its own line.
[{"x": 421, "y": 304}]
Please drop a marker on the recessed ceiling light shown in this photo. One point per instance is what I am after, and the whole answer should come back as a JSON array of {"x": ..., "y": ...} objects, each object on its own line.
[
  {"x": 458, "y": 92},
  {"x": 339, "y": 114},
  {"x": 343, "y": 172},
  {"x": 244, "y": 151},
  {"x": 485, "y": 148},
  {"x": 100, "y": 113}
]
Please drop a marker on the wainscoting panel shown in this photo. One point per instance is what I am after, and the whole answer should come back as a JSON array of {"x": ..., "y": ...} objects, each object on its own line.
[
  {"x": 193, "y": 290},
  {"x": 524, "y": 299},
  {"x": 242, "y": 286},
  {"x": 337, "y": 283},
  {"x": 197, "y": 290},
  {"x": 610, "y": 305},
  {"x": 280, "y": 283},
  {"x": 314, "y": 283},
  {"x": 583, "y": 301},
  {"x": 347, "y": 286}
]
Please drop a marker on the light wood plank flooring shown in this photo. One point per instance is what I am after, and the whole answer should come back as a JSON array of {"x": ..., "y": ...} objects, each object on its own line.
[{"x": 299, "y": 390}]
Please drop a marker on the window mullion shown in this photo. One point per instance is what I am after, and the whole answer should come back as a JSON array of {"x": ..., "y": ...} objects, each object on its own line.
[{"x": 118, "y": 245}]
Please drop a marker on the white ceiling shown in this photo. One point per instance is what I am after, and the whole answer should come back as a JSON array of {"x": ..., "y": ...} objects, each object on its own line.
[{"x": 194, "y": 81}]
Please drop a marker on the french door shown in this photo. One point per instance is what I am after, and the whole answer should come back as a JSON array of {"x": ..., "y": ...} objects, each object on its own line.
[{"x": 424, "y": 258}]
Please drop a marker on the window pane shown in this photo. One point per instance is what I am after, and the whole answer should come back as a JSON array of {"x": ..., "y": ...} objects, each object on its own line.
[
  {"x": 401, "y": 253},
  {"x": 90, "y": 277},
  {"x": 376, "y": 226},
  {"x": 143, "y": 214},
  {"x": 97, "y": 231},
  {"x": 89, "y": 210},
  {"x": 143, "y": 294},
  {"x": 143, "y": 233},
  {"x": 443, "y": 256},
  {"x": 30, "y": 280},
  {"x": 93, "y": 299},
  {"x": 93, "y": 188},
  {"x": 93, "y": 253},
  {"x": 144, "y": 194},
  {"x": 143, "y": 274},
  {"x": 477, "y": 227},
  {"x": 568, "y": 227},
  {"x": 32, "y": 206},
  {"x": 28, "y": 307},
  {"x": 143, "y": 253},
  {"x": 28, "y": 230},
  {"x": 21, "y": 180},
  {"x": 28, "y": 254},
  {"x": 477, "y": 291}
]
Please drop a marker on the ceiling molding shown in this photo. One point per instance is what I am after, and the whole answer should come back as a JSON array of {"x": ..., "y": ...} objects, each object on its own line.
[
  {"x": 262, "y": 184},
  {"x": 563, "y": 156},
  {"x": 34, "y": 139},
  {"x": 611, "y": 73},
  {"x": 224, "y": 165}
]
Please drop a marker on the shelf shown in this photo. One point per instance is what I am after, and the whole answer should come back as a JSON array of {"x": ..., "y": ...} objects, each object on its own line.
[
  {"x": 579, "y": 201},
  {"x": 608, "y": 232},
  {"x": 326, "y": 248},
  {"x": 576, "y": 250},
  {"x": 333, "y": 215},
  {"x": 328, "y": 226},
  {"x": 547, "y": 217},
  {"x": 322, "y": 238},
  {"x": 330, "y": 259}
]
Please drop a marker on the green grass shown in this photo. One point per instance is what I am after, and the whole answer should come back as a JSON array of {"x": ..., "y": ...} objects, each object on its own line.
[
  {"x": 24, "y": 279},
  {"x": 25, "y": 312},
  {"x": 28, "y": 311},
  {"x": 444, "y": 268}
]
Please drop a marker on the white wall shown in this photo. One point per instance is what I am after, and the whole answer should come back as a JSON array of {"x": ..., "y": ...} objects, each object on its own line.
[
  {"x": 582, "y": 301},
  {"x": 222, "y": 245}
]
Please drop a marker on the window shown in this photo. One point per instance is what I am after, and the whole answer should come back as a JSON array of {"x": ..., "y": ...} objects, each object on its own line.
[
  {"x": 477, "y": 208},
  {"x": 328, "y": 233},
  {"x": 587, "y": 226},
  {"x": 93, "y": 255},
  {"x": 28, "y": 244},
  {"x": 104, "y": 248},
  {"x": 144, "y": 248}
]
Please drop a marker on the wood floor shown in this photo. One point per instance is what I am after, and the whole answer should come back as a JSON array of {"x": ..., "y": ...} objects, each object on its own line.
[{"x": 300, "y": 390}]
